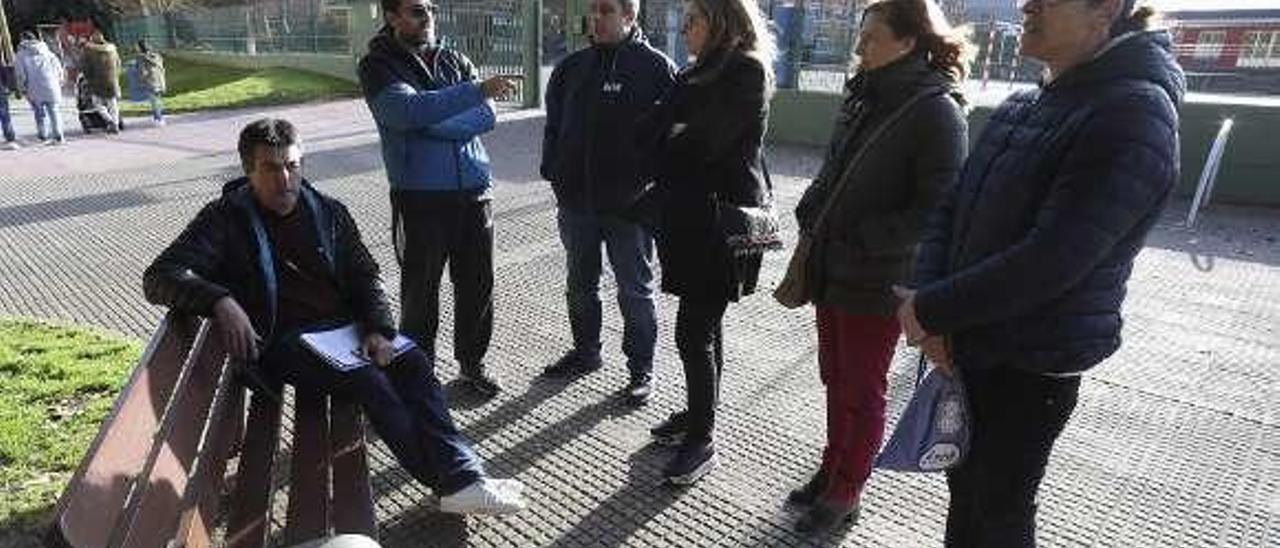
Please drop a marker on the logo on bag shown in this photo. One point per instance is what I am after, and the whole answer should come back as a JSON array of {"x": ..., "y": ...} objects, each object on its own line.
[
  {"x": 940, "y": 457},
  {"x": 950, "y": 417}
]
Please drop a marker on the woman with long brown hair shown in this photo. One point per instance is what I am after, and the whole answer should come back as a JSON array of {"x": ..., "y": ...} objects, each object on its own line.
[
  {"x": 899, "y": 140},
  {"x": 706, "y": 139}
]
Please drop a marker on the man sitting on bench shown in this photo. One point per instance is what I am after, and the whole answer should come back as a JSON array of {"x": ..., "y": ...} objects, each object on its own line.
[{"x": 274, "y": 258}]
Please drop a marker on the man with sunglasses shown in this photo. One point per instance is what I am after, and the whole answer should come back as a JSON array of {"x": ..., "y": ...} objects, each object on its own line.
[{"x": 430, "y": 111}]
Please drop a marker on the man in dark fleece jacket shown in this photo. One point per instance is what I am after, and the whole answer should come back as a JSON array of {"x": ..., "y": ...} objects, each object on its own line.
[
  {"x": 588, "y": 153},
  {"x": 1021, "y": 274},
  {"x": 272, "y": 259}
]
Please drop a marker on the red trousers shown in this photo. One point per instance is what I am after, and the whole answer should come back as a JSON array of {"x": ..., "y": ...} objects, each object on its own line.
[{"x": 854, "y": 353}]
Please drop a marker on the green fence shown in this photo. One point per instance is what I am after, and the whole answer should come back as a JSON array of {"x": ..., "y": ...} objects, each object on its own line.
[
  {"x": 500, "y": 37},
  {"x": 264, "y": 26}
]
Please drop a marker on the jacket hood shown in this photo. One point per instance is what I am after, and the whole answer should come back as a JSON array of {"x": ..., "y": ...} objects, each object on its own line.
[
  {"x": 101, "y": 48},
  {"x": 635, "y": 38},
  {"x": 902, "y": 79},
  {"x": 384, "y": 43},
  {"x": 34, "y": 46},
  {"x": 1139, "y": 55},
  {"x": 243, "y": 181}
]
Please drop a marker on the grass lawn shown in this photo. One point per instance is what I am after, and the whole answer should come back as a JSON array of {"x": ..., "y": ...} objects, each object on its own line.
[
  {"x": 56, "y": 385},
  {"x": 194, "y": 87}
]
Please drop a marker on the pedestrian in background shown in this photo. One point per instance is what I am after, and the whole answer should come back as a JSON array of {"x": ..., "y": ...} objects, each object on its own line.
[
  {"x": 899, "y": 140},
  {"x": 101, "y": 65},
  {"x": 39, "y": 74},
  {"x": 1022, "y": 270},
  {"x": 593, "y": 101},
  {"x": 8, "y": 84},
  {"x": 707, "y": 137},
  {"x": 151, "y": 77}
]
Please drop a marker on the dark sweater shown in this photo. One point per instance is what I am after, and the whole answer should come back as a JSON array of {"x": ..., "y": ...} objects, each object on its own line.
[{"x": 866, "y": 244}]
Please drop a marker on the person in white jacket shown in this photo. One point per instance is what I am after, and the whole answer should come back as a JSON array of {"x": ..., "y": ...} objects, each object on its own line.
[{"x": 39, "y": 74}]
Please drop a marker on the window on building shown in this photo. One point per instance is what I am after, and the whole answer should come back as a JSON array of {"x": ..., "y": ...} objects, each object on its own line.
[
  {"x": 1260, "y": 49},
  {"x": 1209, "y": 44}
]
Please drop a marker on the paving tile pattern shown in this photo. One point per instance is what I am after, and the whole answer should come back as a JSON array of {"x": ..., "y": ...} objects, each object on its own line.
[{"x": 1176, "y": 440}]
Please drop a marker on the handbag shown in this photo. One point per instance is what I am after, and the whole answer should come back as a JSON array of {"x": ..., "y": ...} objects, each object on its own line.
[
  {"x": 750, "y": 229},
  {"x": 933, "y": 432},
  {"x": 794, "y": 290}
]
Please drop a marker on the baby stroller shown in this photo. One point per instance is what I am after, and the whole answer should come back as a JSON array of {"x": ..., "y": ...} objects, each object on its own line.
[{"x": 93, "y": 114}]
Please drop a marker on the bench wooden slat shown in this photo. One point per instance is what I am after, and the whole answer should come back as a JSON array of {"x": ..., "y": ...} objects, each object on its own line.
[
  {"x": 90, "y": 507},
  {"x": 251, "y": 502},
  {"x": 152, "y": 521},
  {"x": 154, "y": 475},
  {"x": 196, "y": 523},
  {"x": 353, "y": 510},
  {"x": 308, "y": 516}
]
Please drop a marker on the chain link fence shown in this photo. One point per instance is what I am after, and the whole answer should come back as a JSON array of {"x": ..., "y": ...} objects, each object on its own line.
[
  {"x": 264, "y": 26},
  {"x": 492, "y": 33}
]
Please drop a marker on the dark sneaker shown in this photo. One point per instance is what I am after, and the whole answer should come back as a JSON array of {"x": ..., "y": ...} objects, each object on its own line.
[
  {"x": 824, "y": 515},
  {"x": 475, "y": 379},
  {"x": 637, "y": 391},
  {"x": 670, "y": 433},
  {"x": 573, "y": 364},
  {"x": 807, "y": 494},
  {"x": 692, "y": 462}
]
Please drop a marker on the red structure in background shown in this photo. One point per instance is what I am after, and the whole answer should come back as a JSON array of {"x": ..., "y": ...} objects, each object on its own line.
[{"x": 1233, "y": 50}]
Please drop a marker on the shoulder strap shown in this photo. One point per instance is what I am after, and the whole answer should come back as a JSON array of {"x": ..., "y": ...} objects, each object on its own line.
[{"x": 862, "y": 152}]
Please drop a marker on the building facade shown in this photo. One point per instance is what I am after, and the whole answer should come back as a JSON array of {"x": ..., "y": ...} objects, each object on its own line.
[{"x": 1234, "y": 50}]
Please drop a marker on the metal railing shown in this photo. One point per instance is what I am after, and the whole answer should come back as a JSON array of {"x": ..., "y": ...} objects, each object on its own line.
[{"x": 1209, "y": 174}]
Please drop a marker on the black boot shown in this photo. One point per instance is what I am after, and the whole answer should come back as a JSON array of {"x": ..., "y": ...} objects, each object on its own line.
[
  {"x": 807, "y": 494},
  {"x": 824, "y": 515}
]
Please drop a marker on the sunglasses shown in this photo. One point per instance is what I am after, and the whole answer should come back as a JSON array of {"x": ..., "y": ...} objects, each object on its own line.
[
  {"x": 423, "y": 11},
  {"x": 1045, "y": 3}
]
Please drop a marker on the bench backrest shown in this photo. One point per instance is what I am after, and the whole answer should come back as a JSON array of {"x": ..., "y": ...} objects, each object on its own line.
[{"x": 154, "y": 474}]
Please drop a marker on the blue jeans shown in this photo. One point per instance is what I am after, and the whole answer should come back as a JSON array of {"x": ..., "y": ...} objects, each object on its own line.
[
  {"x": 157, "y": 107},
  {"x": 404, "y": 403},
  {"x": 5, "y": 121},
  {"x": 46, "y": 114},
  {"x": 630, "y": 249}
]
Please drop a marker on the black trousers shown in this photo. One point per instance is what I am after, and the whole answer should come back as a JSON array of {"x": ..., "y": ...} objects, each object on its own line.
[
  {"x": 432, "y": 229},
  {"x": 1017, "y": 417},
  {"x": 699, "y": 339}
]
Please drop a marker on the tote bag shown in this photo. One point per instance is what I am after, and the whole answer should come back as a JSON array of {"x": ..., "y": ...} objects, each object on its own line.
[{"x": 933, "y": 432}]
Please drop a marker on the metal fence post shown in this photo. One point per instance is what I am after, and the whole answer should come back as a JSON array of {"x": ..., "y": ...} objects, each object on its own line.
[{"x": 533, "y": 54}]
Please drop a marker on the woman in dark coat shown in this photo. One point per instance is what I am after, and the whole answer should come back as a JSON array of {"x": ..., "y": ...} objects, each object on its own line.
[
  {"x": 1023, "y": 265},
  {"x": 708, "y": 134},
  {"x": 909, "y": 64}
]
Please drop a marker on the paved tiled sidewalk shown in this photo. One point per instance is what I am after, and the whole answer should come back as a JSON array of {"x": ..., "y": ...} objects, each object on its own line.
[{"x": 1176, "y": 441}]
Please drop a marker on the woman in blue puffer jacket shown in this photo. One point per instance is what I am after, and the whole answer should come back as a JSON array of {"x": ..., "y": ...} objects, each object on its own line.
[{"x": 1021, "y": 274}]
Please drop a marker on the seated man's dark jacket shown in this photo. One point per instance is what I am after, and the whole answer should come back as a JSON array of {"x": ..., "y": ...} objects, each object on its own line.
[
  {"x": 226, "y": 251},
  {"x": 1025, "y": 261}
]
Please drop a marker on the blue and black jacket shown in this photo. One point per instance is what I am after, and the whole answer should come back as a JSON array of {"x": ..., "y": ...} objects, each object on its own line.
[
  {"x": 430, "y": 114},
  {"x": 226, "y": 251}
]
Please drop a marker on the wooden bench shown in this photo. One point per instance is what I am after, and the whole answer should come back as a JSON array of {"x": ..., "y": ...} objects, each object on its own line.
[{"x": 155, "y": 474}]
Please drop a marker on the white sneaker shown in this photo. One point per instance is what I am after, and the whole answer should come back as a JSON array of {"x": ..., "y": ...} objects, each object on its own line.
[
  {"x": 512, "y": 486},
  {"x": 12, "y": 145},
  {"x": 484, "y": 497}
]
